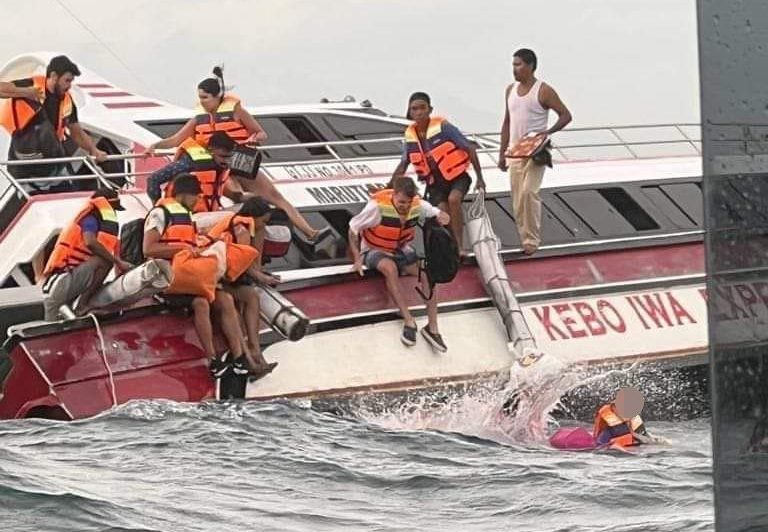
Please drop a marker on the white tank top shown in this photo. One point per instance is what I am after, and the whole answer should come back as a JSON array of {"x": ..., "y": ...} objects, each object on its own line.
[{"x": 526, "y": 114}]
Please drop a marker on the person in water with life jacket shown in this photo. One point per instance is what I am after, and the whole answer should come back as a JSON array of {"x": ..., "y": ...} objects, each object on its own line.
[
  {"x": 387, "y": 225},
  {"x": 84, "y": 254},
  {"x": 40, "y": 115},
  {"x": 220, "y": 111},
  {"x": 246, "y": 227},
  {"x": 169, "y": 230},
  {"x": 211, "y": 167},
  {"x": 618, "y": 424},
  {"x": 440, "y": 155}
]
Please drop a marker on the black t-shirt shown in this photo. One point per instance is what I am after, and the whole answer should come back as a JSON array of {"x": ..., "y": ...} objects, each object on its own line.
[{"x": 51, "y": 104}]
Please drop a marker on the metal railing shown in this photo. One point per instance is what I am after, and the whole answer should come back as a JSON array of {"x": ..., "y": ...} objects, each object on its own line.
[{"x": 614, "y": 138}]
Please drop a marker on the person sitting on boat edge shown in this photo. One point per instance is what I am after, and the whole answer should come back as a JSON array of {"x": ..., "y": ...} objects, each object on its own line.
[
  {"x": 210, "y": 165},
  {"x": 440, "y": 155},
  {"x": 247, "y": 227},
  {"x": 387, "y": 225},
  {"x": 40, "y": 115},
  {"x": 84, "y": 254},
  {"x": 221, "y": 111},
  {"x": 169, "y": 229},
  {"x": 619, "y": 423}
]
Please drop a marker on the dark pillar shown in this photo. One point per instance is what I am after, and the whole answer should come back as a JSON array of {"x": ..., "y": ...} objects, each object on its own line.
[{"x": 733, "y": 58}]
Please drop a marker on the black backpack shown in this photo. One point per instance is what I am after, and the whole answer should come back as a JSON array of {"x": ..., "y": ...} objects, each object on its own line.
[
  {"x": 441, "y": 256},
  {"x": 132, "y": 241}
]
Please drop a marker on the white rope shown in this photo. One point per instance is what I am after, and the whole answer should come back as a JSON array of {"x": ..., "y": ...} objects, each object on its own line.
[{"x": 104, "y": 358}]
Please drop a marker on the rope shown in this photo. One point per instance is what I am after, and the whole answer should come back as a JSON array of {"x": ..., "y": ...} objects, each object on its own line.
[{"x": 104, "y": 358}]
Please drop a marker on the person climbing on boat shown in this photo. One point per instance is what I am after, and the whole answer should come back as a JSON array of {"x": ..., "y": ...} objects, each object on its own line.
[
  {"x": 618, "y": 424},
  {"x": 84, "y": 254},
  {"x": 169, "y": 230},
  {"x": 246, "y": 227},
  {"x": 40, "y": 115},
  {"x": 211, "y": 167},
  {"x": 440, "y": 155},
  {"x": 387, "y": 225},
  {"x": 527, "y": 103},
  {"x": 220, "y": 111}
]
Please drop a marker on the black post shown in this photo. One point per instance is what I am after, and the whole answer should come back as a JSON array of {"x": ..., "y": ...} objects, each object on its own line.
[{"x": 733, "y": 64}]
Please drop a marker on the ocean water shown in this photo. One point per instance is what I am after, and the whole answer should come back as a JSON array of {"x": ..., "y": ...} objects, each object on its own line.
[{"x": 454, "y": 464}]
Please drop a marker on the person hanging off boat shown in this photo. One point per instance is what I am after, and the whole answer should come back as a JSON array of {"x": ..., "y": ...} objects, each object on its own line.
[
  {"x": 246, "y": 227},
  {"x": 440, "y": 155},
  {"x": 210, "y": 165},
  {"x": 84, "y": 254},
  {"x": 618, "y": 424},
  {"x": 40, "y": 115},
  {"x": 169, "y": 233},
  {"x": 524, "y": 140},
  {"x": 219, "y": 111},
  {"x": 387, "y": 225}
]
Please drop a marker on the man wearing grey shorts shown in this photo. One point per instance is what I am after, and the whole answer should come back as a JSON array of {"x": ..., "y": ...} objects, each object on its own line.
[{"x": 387, "y": 226}]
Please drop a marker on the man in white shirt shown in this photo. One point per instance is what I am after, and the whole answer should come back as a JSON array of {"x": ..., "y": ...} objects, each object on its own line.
[
  {"x": 526, "y": 111},
  {"x": 387, "y": 225}
]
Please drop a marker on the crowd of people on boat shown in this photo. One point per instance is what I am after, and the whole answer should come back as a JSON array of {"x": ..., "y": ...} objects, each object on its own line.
[{"x": 215, "y": 269}]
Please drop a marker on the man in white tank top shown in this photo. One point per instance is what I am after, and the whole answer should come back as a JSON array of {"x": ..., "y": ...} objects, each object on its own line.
[{"x": 526, "y": 111}]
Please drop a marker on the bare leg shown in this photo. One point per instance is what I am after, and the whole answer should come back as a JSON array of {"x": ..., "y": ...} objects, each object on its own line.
[
  {"x": 413, "y": 270},
  {"x": 203, "y": 327},
  {"x": 224, "y": 305},
  {"x": 264, "y": 188},
  {"x": 457, "y": 217},
  {"x": 250, "y": 300},
  {"x": 388, "y": 269}
]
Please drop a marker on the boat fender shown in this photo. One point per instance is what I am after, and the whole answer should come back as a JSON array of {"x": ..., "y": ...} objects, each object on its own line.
[{"x": 283, "y": 316}]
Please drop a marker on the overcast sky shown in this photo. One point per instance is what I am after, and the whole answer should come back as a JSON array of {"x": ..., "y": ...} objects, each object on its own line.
[{"x": 612, "y": 61}]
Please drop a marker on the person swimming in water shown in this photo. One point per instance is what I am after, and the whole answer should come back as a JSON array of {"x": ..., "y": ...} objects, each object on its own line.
[{"x": 619, "y": 423}]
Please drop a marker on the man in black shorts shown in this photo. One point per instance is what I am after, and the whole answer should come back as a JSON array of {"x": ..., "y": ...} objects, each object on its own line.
[{"x": 440, "y": 155}]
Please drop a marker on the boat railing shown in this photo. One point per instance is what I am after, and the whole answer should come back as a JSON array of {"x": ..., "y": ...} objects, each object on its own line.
[{"x": 571, "y": 144}]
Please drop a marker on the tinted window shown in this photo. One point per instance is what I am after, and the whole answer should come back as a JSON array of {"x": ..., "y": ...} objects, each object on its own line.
[
  {"x": 626, "y": 206},
  {"x": 291, "y": 130},
  {"x": 163, "y": 128},
  {"x": 596, "y": 212},
  {"x": 355, "y": 128}
]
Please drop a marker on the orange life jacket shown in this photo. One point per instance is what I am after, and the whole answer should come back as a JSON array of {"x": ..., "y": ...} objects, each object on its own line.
[
  {"x": 179, "y": 228},
  {"x": 71, "y": 249},
  {"x": 223, "y": 119},
  {"x": 212, "y": 178},
  {"x": 239, "y": 256},
  {"x": 620, "y": 430},
  {"x": 393, "y": 231},
  {"x": 17, "y": 113},
  {"x": 448, "y": 158}
]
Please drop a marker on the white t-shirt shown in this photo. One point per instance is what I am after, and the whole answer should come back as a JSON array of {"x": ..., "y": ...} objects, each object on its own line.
[
  {"x": 370, "y": 217},
  {"x": 155, "y": 220}
]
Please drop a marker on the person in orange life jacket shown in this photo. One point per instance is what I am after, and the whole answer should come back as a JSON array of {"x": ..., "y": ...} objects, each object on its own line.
[
  {"x": 219, "y": 111},
  {"x": 441, "y": 155},
  {"x": 45, "y": 98},
  {"x": 83, "y": 255},
  {"x": 247, "y": 227},
  {"x": 168, "y": 229},
  {"x": 619, "y": 423},
  {"x": 526, "y": 109},
  {"x": 210, "y": 165},
  {"x": 387, "y": 226}
]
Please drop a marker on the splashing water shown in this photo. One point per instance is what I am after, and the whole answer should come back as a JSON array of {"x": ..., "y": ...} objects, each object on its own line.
[{"x": 512, "y": 410}]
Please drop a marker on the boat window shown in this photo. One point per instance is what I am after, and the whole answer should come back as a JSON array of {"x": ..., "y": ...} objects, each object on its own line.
[
  {"x": 163, "y": 128},
  {"x": 596, "y": 212},
  {"x": 688, "y": 197},
  {"x": 357, "y": 128},
  {"x": 671, "y": 209},
  {"x": 502, "y": 220},
  {"x": 627, "y": 207},
  {"x": 291, "y": 130}
]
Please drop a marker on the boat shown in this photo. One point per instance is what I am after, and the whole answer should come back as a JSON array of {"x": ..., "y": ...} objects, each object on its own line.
[{"x": 619, "y": 279}]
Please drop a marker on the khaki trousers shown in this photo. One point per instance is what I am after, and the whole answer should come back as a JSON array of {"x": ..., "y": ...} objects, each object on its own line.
[{"x": 525, "y": 181}]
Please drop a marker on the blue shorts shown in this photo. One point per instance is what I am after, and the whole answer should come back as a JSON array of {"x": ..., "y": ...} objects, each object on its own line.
[{"x": 403, "y": 257}]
